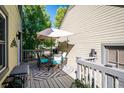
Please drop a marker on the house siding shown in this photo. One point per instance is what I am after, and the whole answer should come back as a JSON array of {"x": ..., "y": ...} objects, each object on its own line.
[
  {"x": 14, "y": 25},
  {"x": 92, "y": 26}
]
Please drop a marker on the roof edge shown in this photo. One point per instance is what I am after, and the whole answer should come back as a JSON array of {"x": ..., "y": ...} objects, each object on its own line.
[{"x": 68, "y": 9}]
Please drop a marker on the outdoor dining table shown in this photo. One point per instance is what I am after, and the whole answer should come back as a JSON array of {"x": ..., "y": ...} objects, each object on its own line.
[{"x": 19, "y": 73}]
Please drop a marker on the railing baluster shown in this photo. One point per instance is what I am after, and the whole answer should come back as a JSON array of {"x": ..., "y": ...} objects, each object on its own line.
[
  {"x": 23, "y": 55},
  {"x": 90, "y": 77},
  {"x": 94, "y": 78},
  {"x": 78, "y": 69},
  {"x": 85, "y": 74},
  {"x": 81, "y": 73},
  {"x": 116, "y": 82}
]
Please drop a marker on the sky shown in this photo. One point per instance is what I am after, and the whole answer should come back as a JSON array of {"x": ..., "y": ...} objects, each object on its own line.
[{"x": 52, "y": 11}]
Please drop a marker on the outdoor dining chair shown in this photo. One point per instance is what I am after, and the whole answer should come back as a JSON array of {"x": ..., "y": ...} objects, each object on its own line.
[
  {"x": 56, "y": 62},
  {"x": 43, "y": 62}
]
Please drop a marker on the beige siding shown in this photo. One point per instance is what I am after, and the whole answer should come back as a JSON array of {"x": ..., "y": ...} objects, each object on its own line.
[
  {"x": 14, "y": 25},
  {"x": 93, "y": 25}
]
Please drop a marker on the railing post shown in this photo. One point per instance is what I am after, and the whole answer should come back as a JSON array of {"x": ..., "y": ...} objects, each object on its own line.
[
  {"x": 78, "y": 74},
  {"x": 104, "y": 80}
]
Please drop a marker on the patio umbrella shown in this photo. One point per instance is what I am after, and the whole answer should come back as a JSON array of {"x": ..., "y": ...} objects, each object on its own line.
[{"x": 52, "y": 33}]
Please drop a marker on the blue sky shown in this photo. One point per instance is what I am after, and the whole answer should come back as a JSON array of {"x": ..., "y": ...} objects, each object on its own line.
[{"x": 52, "y": 11}]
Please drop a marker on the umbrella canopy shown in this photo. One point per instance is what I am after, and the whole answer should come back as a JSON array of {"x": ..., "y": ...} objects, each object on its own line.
[{"x": 52, "y": 32}]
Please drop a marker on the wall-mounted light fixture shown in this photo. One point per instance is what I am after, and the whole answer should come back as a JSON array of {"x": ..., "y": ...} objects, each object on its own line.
[
  {"x": 93, "y": 53},
  {"x": 18, "y": 35}
]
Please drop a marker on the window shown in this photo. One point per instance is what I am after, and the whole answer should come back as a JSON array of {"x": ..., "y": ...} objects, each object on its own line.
[
  {"x": 3, "y": 42},
  {"x": 113, "y": 54},
  {"x": 116, "y": 55}
]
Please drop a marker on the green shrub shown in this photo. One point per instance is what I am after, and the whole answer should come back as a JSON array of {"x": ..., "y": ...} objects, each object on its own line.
[
  {"x": 48, "y": 43},
  {"x": 78, "y": 84}
]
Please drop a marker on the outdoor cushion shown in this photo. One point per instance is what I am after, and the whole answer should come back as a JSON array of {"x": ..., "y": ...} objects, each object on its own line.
[
  {"x": 64, "y": 54},
  {"x": 54, "y": 62},
  {"x": 44, "y": 60},
  {"x": 58, "y": 58}
]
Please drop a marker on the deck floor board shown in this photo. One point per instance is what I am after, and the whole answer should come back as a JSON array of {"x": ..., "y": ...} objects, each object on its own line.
[
  {"x": 44, "y": 79},
  {"x": 41, "y": 84},
  {"x": 46, "y": 84},
  {"x": 59, "y": 83},
  {"x": 37, "y": 84},
  {"x": 50, "y": 84}
]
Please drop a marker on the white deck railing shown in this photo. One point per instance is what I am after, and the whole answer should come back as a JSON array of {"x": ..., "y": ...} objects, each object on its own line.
[{"x": 99, "y": 75}]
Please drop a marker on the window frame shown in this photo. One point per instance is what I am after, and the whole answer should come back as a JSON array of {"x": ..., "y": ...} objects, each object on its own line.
[
  {"x": 4, "y": 42},
  {"x": 5, "y": 69},
  {"x": 104, "y": 54}
]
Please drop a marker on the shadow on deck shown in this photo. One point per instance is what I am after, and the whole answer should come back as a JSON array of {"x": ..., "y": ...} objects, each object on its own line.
[{"x": 48, "y": 79}]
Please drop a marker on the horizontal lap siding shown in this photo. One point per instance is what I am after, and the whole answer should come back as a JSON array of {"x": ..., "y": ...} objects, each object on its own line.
[
  {"x": 14, "y": 25},
  {"x": 93, "y": 25}
]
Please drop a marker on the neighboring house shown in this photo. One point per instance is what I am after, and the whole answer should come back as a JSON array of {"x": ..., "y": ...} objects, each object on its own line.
[
  {"x": 10, "y": 26},
  {"x": 96, "y": 27}
]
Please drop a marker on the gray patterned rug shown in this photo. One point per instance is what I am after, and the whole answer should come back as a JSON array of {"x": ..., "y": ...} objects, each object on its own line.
[{"x": 44, "y": 73}]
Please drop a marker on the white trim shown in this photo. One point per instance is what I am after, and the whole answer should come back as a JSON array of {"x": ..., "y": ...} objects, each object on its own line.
[
  {"x": 105, "y": 71},
  {"x": 2, "y": 69},
  {"x": 3, "y": 15},
  {"x": 104, "y": 53},
  {"x": 18, "y": 44}
]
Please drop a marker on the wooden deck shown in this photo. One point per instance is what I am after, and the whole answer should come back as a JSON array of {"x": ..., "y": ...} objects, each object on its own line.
[
  {"x": 58, "y": 82},
  {"x": 52, "y": 81}
]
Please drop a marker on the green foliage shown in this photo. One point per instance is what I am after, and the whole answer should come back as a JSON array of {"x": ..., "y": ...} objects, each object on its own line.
[
  {"x": 59, "y": 16},
  {"x": 48, "y": 42},
  {"x": 35, "y": 19},
  {"x": 79, "y": 84}
]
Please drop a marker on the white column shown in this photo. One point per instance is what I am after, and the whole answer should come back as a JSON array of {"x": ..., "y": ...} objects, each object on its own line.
[{"x": 18, "y": 44}]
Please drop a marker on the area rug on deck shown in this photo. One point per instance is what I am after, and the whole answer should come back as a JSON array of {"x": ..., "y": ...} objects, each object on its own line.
[{"x": 44, "y": 73}]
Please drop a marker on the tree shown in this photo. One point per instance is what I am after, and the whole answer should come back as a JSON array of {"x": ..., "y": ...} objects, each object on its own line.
[
  {"x": 35, "y": 19},
  {"x": 59, "y": 16}
]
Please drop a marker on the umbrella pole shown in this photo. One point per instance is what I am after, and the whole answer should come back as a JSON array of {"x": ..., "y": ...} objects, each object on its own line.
[
  {"x": 51, "y": 48},
  {"x": 67, "y": 44}
]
